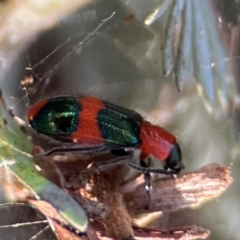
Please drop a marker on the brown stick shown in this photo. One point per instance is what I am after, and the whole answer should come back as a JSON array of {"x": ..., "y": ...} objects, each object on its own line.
[
  {"x": 185, "y": 191},
  {"x": 189, "y": 190}
]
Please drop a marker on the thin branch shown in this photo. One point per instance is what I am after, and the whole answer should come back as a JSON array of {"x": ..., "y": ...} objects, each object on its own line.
[
  {"x": 115, "y": 209},
  {"x": 186, "y": 191}
]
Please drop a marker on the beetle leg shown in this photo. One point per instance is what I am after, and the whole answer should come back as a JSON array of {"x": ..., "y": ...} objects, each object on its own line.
[
  {"x": 151, "y": 170},
  {"x": 120, "y": 159},
  {"x": 148, "y": 180},
  {"x": 83, "y": 149}
]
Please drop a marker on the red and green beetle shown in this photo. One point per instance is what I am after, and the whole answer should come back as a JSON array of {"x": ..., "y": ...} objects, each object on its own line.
[{"x": 94, "y": 124}]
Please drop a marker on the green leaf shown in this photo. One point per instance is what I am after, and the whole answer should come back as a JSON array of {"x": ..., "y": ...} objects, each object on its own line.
[{"x": 15, "y": 156}]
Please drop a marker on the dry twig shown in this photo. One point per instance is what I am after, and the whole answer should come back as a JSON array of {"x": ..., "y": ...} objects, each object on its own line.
[{"x": 116, "y": 209}]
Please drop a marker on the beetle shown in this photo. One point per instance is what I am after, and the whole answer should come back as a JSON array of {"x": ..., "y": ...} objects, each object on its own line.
[{"x": 94, "y": 124}]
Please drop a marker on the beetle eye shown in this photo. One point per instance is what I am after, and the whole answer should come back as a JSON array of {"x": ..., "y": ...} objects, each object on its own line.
[{"x": 174, "y": 160}]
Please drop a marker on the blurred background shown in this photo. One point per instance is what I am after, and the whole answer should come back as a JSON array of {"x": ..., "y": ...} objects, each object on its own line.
[{"x": 176, "y": 62}]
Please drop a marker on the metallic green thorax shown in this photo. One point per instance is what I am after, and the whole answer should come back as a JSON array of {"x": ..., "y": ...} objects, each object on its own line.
[{"x": 58, "y": 116}]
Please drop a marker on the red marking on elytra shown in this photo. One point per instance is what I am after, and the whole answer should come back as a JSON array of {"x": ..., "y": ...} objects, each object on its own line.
[
  {"x": 88, "y": 131},
  {"x": 35, "y": 109},
  {"x": 156, "y": 141}
]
